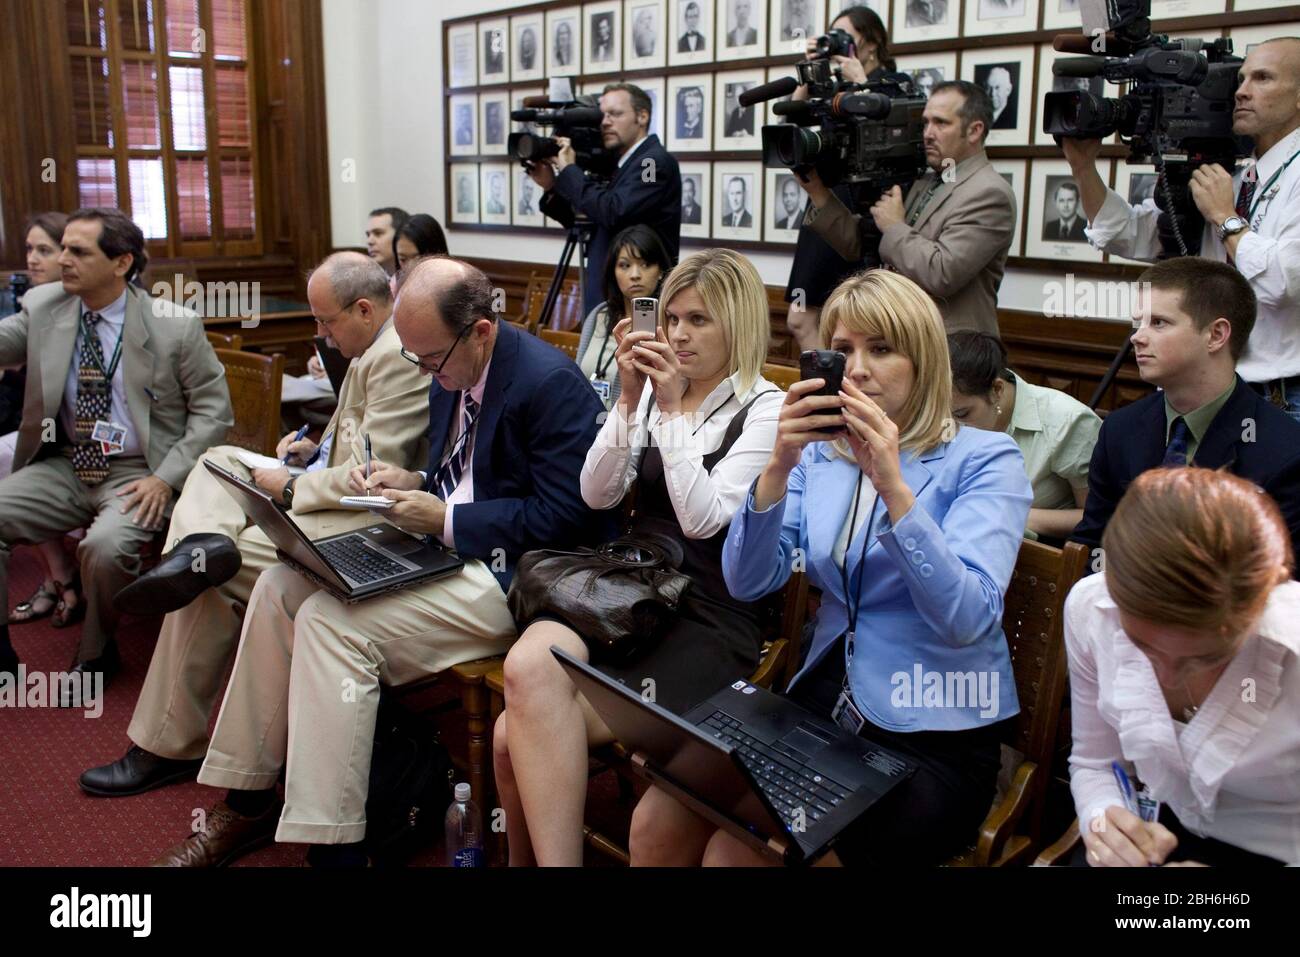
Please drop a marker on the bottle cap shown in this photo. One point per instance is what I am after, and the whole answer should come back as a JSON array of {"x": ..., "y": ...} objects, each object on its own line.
[{"x": 462, "y": 792}]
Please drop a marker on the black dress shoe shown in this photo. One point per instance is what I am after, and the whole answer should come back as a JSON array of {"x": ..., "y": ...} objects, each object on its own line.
[
  {"x": 78, "y": 691},
  {"x": 135, "y": 772},
  {"x": 174, "y": 583}
]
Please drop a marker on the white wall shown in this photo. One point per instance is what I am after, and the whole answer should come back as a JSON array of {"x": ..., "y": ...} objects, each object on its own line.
[{"x": 384, "y": 106}]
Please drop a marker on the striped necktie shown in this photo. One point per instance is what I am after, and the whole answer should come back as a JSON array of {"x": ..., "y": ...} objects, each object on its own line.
[
  {"x": 94, "y": 403},
  {"x": 1176, "y": 450},
  {"x": 448, "y": 476}
]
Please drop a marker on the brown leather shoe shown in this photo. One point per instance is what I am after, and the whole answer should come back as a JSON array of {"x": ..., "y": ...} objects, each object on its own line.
[{"x": 227, "y": 836}]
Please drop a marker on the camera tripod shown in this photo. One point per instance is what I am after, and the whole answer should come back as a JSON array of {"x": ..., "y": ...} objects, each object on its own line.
[{"x": 579, "y": 237}]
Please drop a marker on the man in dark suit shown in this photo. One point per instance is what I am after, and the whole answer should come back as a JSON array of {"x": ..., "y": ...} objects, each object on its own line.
[
  {"x": 691, "y": 211},
  {"x": 740, "y": 119},
  {"x": 692, "y": 39},
  {"x": 1068, "y": 224},
  {"x": 646, "y": 186},
  {"x": 736, "y": 214},
  {"x": 510, "y": 423},
  {"x": 1192, "y": 327}
]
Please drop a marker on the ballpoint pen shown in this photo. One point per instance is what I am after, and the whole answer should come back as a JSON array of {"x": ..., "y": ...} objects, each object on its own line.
[
  {"x": 368, "y": 455},
  {"x": 297, "y": 438}
]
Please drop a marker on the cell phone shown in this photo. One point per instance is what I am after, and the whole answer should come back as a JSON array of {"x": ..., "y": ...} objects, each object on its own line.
[
  {"x": 645, "y": 314},
  {"x": 824, "y": 364}
]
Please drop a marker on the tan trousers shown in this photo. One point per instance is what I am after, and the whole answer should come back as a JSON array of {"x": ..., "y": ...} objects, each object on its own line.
[
  {"x": 305, "y": 688},
  {"x": 46, "y": 499}
]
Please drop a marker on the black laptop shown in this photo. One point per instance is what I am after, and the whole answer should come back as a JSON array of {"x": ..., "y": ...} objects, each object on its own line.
[
  {"x": 771, "y": 773},
  {"x": 351, "y": 566}
]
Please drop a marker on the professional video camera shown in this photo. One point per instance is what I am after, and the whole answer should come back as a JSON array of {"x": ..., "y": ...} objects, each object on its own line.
[
  {"x": 579, "y": 119},
  {"x": 1176, "y": 113}
]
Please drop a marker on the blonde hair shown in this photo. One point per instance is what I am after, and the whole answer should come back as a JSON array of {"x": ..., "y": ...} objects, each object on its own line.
[
  {"x": 1197, "y": 548},
  {"x": 882, "y": 303},
  {"x": 736, "y": 299}
]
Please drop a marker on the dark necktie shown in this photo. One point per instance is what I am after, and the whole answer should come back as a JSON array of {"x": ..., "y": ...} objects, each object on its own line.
[
  {"x": 1176, "y": 450},
  {"x": 1064, "y": 231},
  {"x": 1249, "y": 181},
  {"x": 448, "y": 476},
  {"x": 94, "y": 402}
]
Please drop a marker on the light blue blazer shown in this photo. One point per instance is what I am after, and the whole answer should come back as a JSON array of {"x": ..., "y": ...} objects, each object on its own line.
[{"x": 929, "y": 653}]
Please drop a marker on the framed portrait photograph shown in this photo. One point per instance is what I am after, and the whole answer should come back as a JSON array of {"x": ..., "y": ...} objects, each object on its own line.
[
  {"x": 791, "y": 23},
  {"x": 527, "y": 47},
  {"x": 645, "y": 39},
  {"x": 1063, "y": 15},
  {"x": 692, "y": 32},
  {"x": 654, "y": 88},
  {"x": 564, "y": 42},
  {"x": 775, "y": 73},
  {"x": 464, "y": 193},
  {"x": 736, "y": 127},
  {"x": 738, "y": 212},
  {"x": 1005, "y": 73},
  {"x": 1169, "y": 9},
  {"x": 602, "y": 29},
  {"x": 1013, "y": 171},
  {"x": 494, "y": 51},
  {"x": 928, "y": 69},
  {"x": 988, "y": 17},
  {"x": 494, "y": 122},
  {"x": 916, "y": 20},
  {"x": 494, "y": 193},
  {"x": 462, "y": 123},
  {"x": 462, "y": 55},
  {"x": 785, "y": 207},
  {"x": 524, "y": 199},
  {"x": 1055, "y": 224},
  {"x": 696, "y": 187},
  {"x": 689, "y": 113},
  {"x": 742, "y": 29},
  {"x": 1136, "y": 183},
  {"x": 1050, "y": 83}
]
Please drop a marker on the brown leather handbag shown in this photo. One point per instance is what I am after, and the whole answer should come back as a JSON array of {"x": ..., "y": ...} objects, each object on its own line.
[{"x": 620, "y": 598}]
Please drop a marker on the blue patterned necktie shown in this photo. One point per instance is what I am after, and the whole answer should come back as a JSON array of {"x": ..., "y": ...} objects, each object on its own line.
[
  {"x": 1176, "y": 450},
  {"x": 94, "y": 403},
  {"x": 449, "y": 475}
]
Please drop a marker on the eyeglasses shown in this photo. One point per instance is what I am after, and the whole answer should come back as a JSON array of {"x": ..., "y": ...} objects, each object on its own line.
[
  {"x": 435, "y": 370},
  {"x": 330, "y": 320}
]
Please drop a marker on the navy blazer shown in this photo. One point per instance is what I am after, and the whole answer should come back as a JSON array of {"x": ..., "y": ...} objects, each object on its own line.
[
  {"x": 1250, "y": 437},
  {"x": 538, "y": 419},
  {"x": 632, "y": 196}
]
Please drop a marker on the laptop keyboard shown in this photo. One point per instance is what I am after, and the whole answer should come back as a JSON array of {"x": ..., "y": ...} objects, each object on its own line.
[
  {"x": 783, "y": 776},
  {"x": 359, "y": 561}
]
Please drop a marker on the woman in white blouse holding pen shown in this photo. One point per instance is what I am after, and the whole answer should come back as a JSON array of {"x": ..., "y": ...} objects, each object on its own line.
[
  {"x": 1184, "y": 671},
  {"x": 694, "y": 425}
]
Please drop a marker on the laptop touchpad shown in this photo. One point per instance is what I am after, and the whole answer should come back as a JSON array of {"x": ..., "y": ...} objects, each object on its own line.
[
  {"x": 404, "y": 547},
  {"x": 805, "y": 741}
]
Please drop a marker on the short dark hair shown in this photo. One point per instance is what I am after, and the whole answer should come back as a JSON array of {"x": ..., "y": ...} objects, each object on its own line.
[
  {"x": 1070, "y": 185},
  {"x": 976, "y": 105},
  {"x": 118, "y": 235},
  {"x": 978, "y": 360},
  {"x": 649, "y": 248},
  {"x": 466, "y": 300},
  {"x": 1208, "y": 289},
  {"x": 395, "y": 213},
  {"x": 425, "y": 233},
  {"x": 639, "y": 97},
  {"x": 51, "y": 223}
]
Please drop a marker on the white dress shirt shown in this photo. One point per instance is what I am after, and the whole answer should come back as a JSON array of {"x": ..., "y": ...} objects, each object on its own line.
[
  {"x": 1231, "y": 773},
  {"x": 112, "y": 320},
  {"x": 464, "y": 490},
  {"x": 704, "y": 501},
  {"x": 1268, "y": 255},
  {"x": 622, "y": 160}
]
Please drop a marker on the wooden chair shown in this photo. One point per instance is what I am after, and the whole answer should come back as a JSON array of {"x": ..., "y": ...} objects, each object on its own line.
[
  {"x": 568, "y": 308},
  {"x": 781, "y": 375},
  {"x": 254, "y": 381},
  {"x": 1031, "y": 618},
  {"x": 1059, "y": 854},
  {"x": 219, "y": 340},
  {"x": 566, "y": 342}
]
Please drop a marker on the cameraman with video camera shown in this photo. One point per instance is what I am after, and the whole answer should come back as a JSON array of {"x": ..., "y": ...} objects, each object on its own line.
[
  {"x": 646, "y": 186},
  {"x": 1252, "y": 216}
]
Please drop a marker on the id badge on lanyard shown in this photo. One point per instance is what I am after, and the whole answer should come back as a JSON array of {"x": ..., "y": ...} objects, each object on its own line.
[{"x": 602, "y": 388}]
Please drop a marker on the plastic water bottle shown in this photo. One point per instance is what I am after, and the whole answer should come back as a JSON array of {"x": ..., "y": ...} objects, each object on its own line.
[{"x": 464, "y": 831}]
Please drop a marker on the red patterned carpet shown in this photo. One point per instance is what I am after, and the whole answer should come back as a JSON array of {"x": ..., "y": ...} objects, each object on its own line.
[{"x": 46, "y": 820}]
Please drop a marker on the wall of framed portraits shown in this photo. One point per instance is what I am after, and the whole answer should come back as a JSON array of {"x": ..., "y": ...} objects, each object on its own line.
[{"x": 694, "y": 58}]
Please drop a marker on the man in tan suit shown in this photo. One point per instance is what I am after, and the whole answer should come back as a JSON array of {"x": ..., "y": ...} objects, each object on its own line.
[
  {"x": 952, "y": 233},
  {"x": 384, "y": 397},
  {"x": 103, "y": 358}
]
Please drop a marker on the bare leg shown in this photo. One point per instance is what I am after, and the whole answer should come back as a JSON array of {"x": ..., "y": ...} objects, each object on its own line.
[
  {"x": 521, "y": 849},
  {"x": 667, "y": 834},
  {"x": 551, "y": 728},
  {"x": 803, "y": 325},
  {"x": 726, "y": 851}
]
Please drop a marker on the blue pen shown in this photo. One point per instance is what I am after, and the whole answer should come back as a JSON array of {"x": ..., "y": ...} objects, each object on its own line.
[
  {"x": 297, "y": 438},
  {"x": 1125, "y": 787}
]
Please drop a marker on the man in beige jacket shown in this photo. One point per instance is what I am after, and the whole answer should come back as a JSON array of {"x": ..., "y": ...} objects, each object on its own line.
[
  {"x": 383, "y": 397},
  {"x": 952, "y": 233}
]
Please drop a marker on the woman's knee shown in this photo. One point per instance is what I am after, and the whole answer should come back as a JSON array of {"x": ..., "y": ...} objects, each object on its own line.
[
  {"x": 659, "y": 824},
  {"x": 531, "y": 671}
]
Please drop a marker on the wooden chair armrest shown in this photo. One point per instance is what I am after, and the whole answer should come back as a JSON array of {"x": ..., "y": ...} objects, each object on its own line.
[
  {"x": 773, "y": 663},
  {"x": 1059, "y": 853},
  {"x": 1001, "y": 821}
]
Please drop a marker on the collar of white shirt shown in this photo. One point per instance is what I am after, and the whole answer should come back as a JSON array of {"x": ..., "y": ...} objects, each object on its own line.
[
  {"x": 628, "y": 155},
  {"x": 1271, "y": 162},
  {"x": 114, "y": 313},
  {"x": 1025, "y": 417}
]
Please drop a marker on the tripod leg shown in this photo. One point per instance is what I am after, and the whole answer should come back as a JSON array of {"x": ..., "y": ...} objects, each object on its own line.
[{"x": 557, "y": 281}]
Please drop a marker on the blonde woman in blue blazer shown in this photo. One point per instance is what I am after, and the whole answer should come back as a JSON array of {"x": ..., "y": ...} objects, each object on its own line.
[{"x": 930, "y": 516}]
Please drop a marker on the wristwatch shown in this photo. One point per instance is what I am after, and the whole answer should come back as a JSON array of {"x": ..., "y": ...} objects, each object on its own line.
[
  {"x": 287, "y": 494},
  {"x": 1231, "y": 226}
]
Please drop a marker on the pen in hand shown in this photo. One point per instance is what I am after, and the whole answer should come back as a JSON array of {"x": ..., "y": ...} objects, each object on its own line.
[
  {"x": 298, "y": 437},
  {"x": 368, "y": 455}
]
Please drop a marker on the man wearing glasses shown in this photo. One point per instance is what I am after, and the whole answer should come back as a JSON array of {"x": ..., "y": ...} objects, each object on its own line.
[
  {"x": 209, "y": 575},
  {"x": 510, "y": 423}
]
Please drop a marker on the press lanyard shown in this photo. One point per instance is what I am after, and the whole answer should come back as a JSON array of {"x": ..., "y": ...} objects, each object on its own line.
[
  {"x": 915, "y": 214},
  {"x": 851, "y": 593},
  {"x": 87, "y": 331},
  {"x": 601, "y": 364},
  {"x": 1263, "y": 190}
]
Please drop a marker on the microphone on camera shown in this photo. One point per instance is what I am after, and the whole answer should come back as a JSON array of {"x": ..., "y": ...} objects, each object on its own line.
[
  {"x": 1084, "y": 66},
  {"x": 769, "y": 91},
  {"x": 795, "y": 109}
]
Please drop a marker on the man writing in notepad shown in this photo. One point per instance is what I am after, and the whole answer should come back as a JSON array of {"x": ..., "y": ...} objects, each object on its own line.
[{"x": 217, "y": 554}]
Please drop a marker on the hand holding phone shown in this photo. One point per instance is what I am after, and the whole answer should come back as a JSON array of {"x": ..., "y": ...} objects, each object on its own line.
[
  {"x": 824, "y": 364},
  {"x": 645, "y": 314}
]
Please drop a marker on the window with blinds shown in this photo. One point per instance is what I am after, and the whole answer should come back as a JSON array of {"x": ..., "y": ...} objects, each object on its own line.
[{"x": 164, "y": 121}]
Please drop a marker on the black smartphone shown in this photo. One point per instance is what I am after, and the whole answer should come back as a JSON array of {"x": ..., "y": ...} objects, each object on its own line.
[{"x": 824, "y": 364}]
